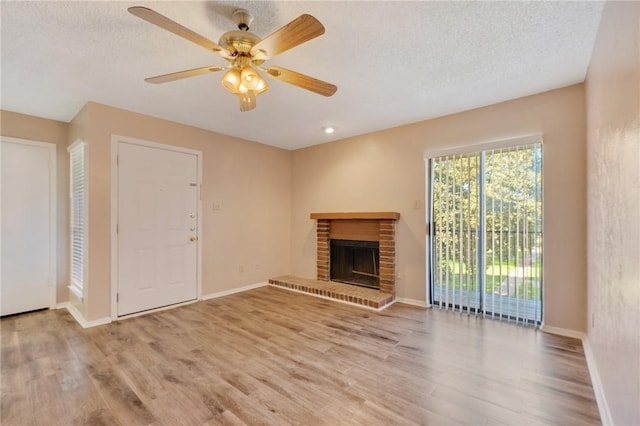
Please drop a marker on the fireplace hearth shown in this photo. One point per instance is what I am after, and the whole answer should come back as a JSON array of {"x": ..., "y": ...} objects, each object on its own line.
[{"x": 356, "y": 260}]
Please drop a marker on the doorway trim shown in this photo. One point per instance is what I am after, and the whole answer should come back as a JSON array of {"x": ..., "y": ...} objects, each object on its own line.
[
  {"x": 115, "y": 141},
  {"x": 53, "y": 217}
]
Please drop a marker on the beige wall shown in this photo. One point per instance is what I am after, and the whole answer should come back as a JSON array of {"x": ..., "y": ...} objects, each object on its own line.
[
  {"x": 385, "y": 171},
  {"x": 55, "y": 132},
  {"x": 267, "y": 194},
  {"x": 250, "y": 181},
  {"x": 613, "y": 163}
]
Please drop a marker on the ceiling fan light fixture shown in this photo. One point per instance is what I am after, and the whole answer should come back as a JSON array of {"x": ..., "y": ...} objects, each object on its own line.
[
  {"x": 232, "y": 81},
  {"x": 245, "y": 81},
  {"x": 247, "y": 100},
  {"x": 250, "y": 77},
  {"x": 262, "y": 86}
]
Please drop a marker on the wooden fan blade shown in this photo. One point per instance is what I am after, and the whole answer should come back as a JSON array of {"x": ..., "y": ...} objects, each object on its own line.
[
  {"x": 165, "y": 23},
  {"x": 296, "y": 32},
  {"x": 165, "y": 78},
  {"x": 304, "y": 81}
]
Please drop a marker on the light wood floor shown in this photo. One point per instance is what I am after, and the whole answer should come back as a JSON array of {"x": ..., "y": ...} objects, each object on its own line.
[{"x": 270, "y": 356}]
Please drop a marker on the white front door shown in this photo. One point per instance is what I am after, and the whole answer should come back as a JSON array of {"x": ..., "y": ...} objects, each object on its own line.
[
  {"x": 157, "y": 227},
  {"x": 27, "y": 232}
]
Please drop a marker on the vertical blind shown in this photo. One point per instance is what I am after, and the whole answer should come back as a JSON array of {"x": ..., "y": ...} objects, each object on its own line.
[
  {"x": 486, "y": 232},
  {"x": 78, "y": 195}
]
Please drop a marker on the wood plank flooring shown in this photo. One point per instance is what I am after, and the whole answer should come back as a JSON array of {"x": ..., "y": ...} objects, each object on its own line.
[{"x": 270, "y": 356}]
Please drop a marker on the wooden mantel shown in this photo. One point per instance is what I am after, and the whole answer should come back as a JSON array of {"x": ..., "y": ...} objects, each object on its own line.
[{"x": 357, "y": 215}]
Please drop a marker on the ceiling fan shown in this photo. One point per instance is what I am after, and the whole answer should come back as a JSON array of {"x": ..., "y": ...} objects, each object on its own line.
[{"x": 245, "y": 52}]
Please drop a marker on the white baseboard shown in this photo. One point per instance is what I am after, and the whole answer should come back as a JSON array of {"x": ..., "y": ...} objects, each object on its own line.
[
  {"x": 563, "y": 331},
  {"x": 77, "y": 315},
  {"x": 233, "y": 291},
  {"x": 152, "y": 311},
  {"x": 80, "y": 319},
  {"x": 412, "y": 302},
  {"x": 603, "y": 407}
]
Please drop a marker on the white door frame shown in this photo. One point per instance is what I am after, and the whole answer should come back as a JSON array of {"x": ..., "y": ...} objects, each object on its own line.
[
  {"x": 53, "y": 259},
  {"x": 115, "y": 141}
]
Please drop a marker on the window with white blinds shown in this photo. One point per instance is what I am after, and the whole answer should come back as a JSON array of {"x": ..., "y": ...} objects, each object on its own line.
[{"x": 78, "y": 196}]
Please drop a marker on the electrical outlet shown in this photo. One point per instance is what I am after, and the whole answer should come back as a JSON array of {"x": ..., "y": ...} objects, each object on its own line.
[
  {"x": 216, "y": 207},
  {"x": 417, "y": 204}
]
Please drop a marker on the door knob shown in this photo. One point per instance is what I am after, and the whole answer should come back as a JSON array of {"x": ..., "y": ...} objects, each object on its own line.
[{"x": 193, "y": 238}]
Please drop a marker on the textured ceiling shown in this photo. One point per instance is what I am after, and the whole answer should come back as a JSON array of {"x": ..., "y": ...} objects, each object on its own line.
[{"x": 393, "y": 62}]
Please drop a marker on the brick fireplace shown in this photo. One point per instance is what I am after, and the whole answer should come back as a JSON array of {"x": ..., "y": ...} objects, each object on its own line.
[{"x": 365, "y": 228}]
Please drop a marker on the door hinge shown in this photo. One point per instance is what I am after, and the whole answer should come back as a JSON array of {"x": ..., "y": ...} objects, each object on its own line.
[
  {"x": 117, "y": 160},
  {"x": 117, "y": 297},
  {"x": 117, "y": 228}
]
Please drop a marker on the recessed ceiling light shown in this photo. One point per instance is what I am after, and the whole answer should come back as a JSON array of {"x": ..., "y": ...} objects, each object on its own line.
[{"x": 329, "y": 130}]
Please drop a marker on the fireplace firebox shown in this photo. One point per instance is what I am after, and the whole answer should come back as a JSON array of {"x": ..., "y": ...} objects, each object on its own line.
[{"x": 355, "y": 262}]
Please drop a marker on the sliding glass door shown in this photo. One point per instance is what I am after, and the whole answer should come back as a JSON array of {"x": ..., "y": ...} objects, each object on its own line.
[{"x": 485, "y": 232}]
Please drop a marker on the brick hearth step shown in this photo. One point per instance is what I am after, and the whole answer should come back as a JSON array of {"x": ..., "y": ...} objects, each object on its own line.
[{"x": 366, "y": 297}]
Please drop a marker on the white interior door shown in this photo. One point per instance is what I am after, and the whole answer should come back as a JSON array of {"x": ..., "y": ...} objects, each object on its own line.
[
  {"x": 27, "y": 232},
  {"x": 157, "y": 227}
]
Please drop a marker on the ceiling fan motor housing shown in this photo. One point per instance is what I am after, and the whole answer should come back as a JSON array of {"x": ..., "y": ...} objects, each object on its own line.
[{"x": 239, "y": 42}]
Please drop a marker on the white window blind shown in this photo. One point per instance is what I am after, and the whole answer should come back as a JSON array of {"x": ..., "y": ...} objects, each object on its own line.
[
  {"x": 78, "y": 195},
  {"x": 486, "y": 232}
]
